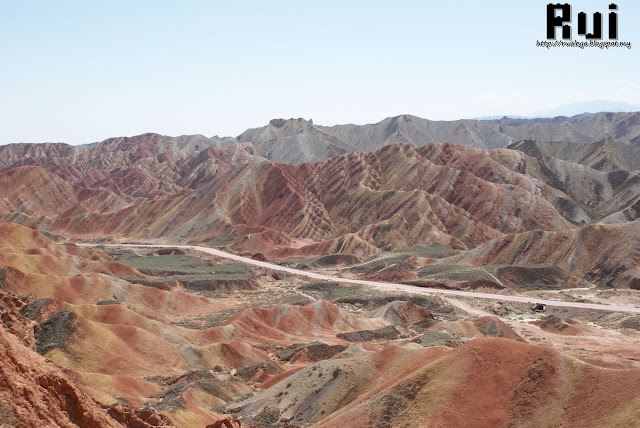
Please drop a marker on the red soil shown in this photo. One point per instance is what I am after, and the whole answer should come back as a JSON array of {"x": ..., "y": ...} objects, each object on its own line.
[{"x": 34, "y": 392}]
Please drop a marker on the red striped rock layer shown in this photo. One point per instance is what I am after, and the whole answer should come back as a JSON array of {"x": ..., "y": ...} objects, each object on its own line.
[
  {"x": 286, "y": 324},
  {"x": 122, "y": 333},
  {"x": 142, "y": 166},
  {"x": 398, "y": 196},
  {"x": 35, "y": 392},
  {"x": 493, "y": 382},
  {"x": 607, "y": 254},
  {"x": 395, "y": 196}
]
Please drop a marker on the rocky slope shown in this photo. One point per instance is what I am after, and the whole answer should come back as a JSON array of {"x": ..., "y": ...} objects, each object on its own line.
[
  {"x": 188, "y": 190},
  {"x": 604, "y": 155},
  {"x": 293, "y": 141},
  {"x": 323, "y": 207},
  {"x": 606, "y": 254},
  {"x": 35, "y": 392},
  {"x": 494, "y": 383},
  {"x": 110, "y": 341},
  {"x": 87, "y": 339},
  {"x": 584, "y": 128},
  {"x": 314, "y": 143}
]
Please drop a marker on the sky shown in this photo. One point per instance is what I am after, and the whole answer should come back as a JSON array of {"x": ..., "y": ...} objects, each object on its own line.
[{"x": 79, "y": 72}]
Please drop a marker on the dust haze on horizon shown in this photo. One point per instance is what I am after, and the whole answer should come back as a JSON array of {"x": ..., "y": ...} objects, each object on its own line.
[{"x": 81, "y": 73}]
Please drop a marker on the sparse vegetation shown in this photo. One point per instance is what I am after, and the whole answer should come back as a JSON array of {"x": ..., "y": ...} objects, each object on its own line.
[
  {"x": 220, "y": 241},
  {"x": 456, "y": 273},
  {"x": 171, "y": 266},
  {"x": 190, "y": 272},
  {"x": 631, "y": 323},
  {"x": 336, "y": 372},
  {"x": 431, "y": 251},
  {"x": 320, "y": 286},
  {"x": 386, "y": 259},
  {"x": 371, "y": 298}
]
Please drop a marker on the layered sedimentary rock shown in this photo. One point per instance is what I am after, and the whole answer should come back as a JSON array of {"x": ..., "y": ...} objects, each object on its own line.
[
  {"x": 489, "y": 383},
  {"x": 421, "y": 196},
  {"x": 606, "y": 254},
  {"x": 35, "y": 392},
  {"x": 408, "y": 192}
]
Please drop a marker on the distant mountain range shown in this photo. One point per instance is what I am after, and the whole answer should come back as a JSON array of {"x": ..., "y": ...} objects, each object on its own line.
[
  {"x": 596, "y": 106},
  {"x": 573, "y": 109},
  {"x": 292, "y": 188},
  {"x": 297, "y": 141}
]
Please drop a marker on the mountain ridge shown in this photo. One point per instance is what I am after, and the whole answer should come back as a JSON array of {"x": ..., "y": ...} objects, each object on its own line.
[{"x": 300, "y": 141}]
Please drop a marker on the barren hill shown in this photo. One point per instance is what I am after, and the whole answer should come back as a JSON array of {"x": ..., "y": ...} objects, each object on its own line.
[
  {"x": 540, "y": 210},
  {"x": 293, "y": 141},
  {"x": 455, "y": 196}
]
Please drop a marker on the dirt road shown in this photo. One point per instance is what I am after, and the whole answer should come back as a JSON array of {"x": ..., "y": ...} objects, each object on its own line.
[{"x": 386, "y": 285}]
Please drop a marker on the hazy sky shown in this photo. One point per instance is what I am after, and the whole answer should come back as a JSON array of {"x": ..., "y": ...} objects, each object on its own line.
[{"x": 83, "y": 71}]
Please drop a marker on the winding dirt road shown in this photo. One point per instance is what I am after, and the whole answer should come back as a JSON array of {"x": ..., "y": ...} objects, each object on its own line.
[{"x": 385, "y": 285}]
